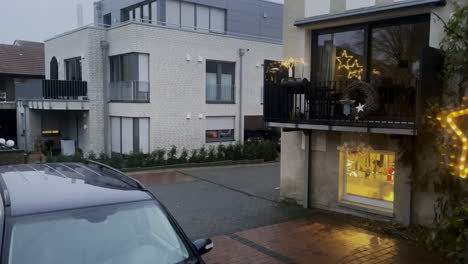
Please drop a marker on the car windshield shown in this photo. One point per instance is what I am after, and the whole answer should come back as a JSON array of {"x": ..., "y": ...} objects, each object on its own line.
[{"x": 119, "y": 234}]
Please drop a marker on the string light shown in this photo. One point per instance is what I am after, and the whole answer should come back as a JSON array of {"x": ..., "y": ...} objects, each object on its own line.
[
  {"x": 354, "y": 69},
  {"x": 453, "y": 126}
]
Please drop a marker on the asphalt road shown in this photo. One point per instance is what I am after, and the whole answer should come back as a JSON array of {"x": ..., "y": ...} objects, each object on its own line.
[{"x": 225, "y": 200}]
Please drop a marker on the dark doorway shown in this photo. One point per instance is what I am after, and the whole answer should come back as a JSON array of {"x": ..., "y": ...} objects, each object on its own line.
[
  {"x": 8, "y": 124},
  {"x": 54, "y": 69}
]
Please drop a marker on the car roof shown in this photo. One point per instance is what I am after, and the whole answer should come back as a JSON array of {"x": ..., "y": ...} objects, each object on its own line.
[{"x": 46, "y": 187}]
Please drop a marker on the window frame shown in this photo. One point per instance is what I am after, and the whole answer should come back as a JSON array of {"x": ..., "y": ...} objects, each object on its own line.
[
  {"x": 218, "y": 139},
  {"x": 218, "y": 83},
  {"x": 135, "y": 121},
  {"x": 77, "y": 62},
  {"x": 368, "y": 29},
  {"x": 131, "y": 10}
]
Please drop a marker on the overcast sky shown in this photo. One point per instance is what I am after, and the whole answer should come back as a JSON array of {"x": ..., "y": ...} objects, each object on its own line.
[{"x": 38, "y": 20}]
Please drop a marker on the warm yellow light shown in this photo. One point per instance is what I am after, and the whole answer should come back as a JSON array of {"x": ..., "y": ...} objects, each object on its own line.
[
  {"x": 453, "y": 128},
  {"x": 449, "y": 120},
  {"x": 462, "y": 167},
  {"x": 459, "y": 132}
]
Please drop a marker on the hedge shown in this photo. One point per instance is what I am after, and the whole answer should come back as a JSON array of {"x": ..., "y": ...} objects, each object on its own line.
[{"x": 264, "y": 150}]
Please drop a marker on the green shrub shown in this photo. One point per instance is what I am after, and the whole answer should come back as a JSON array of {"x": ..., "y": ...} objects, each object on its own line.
[
  {"x": 250, "y": 151},
  {"x": 116, "y": 160},
  {"x": 92, "y": 156},
  {"x": 136, "y": 159},
  {"x": 202, "y": 154},
  {"x": 238, "y": 151},
  {"x": 194, "y": 157},
  {"x": 211, "y": 154},
  {"x": 229, "y": 153},
  {"x": 267, "y": 151},
  {"x": 172, "y": 155},
  {"x": 221, "y": 152},
  {"x": 183, "y": 156},
  {"x": 103, "y": 158}
]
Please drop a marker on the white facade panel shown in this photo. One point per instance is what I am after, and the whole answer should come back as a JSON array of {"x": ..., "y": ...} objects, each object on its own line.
[
  {"x": 354, "y": 4},
  {"x": 218, "y": 123}
]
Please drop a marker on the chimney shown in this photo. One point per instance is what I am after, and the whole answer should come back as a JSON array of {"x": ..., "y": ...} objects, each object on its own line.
[{"x": 79, "y": 15}]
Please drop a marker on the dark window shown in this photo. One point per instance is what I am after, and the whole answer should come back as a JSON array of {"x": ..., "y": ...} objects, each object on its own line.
[
  {"x": 107, "y": 20},
  {"x": 220, "y": 128},
  {"x": 73, "y": 69},
  {"x": 219, "y": 135},
  {"x": 54, "y": 69},
  {"x": 146, "y": 12},
  {"x": 220, "y": 82}
]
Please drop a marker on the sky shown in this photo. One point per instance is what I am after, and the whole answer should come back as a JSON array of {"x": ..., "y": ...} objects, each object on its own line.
[{"x": 38, "y": 20}]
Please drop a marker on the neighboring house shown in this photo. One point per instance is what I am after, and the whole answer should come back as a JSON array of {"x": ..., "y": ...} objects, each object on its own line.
[
  {"x": 340, "y": 138},
  {"x": 161, "y": 73},
  {"x": 21, "y": 62}
]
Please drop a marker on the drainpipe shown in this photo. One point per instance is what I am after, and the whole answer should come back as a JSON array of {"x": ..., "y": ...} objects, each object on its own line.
[
  {"x": 105, "y": 90},
  {"x": 242, "y": 52},
  {"x": 307, "y": 137}
]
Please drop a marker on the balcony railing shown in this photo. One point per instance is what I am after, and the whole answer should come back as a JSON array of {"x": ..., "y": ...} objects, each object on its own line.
[
  {"x": 129, "y": 91},
  {"x": 322, "y": 103},
  {"x": 52, "y": 90}
]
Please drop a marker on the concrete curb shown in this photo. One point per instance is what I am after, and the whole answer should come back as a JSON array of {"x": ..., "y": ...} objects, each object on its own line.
[{"x": 197, "y": 165}]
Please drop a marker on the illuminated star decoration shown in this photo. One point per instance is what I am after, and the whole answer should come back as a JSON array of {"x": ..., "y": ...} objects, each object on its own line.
[
  {"x": 355, "y": 70},
  {"x": 360, "y": 107},
  {"x": 353, "y": 67},
  {"x": 449, "y": 118},
  {"x": 343, "y": 60}
]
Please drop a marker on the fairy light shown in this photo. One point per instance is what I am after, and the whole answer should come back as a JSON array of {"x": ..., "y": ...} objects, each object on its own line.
[
  {"x": 354, "y": 69},
  {"x": 463, "y": 171}
]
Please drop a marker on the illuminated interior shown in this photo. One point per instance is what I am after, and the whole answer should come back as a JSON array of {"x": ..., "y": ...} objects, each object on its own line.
[{"x": 370, "y": 175}]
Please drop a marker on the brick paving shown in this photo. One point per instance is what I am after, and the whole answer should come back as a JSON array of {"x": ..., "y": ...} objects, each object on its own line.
[
  {"x": 317, "y": 240},
  {"x": 156, "y": 178}
]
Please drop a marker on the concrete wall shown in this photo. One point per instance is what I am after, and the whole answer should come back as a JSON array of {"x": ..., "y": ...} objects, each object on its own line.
[
  {"x": 256, "y": 18},
  {"x": 292, "y": 166},
  {"x": 178, "y": 86}
]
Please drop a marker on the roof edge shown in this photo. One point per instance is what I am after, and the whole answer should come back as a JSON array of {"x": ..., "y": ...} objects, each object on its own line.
[{"x": 367, "y": 11}]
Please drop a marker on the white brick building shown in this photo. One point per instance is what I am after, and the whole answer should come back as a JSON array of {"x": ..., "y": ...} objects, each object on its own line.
[{"x": 152, "y": 86}]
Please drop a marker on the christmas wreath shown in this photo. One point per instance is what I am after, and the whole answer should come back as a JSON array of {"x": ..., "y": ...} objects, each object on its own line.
[{"x": 363, "y": 99}]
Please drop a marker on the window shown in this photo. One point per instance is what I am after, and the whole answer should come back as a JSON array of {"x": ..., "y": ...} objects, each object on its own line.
[
  {"x": 220, "y": 129},
  {"x": 129, "y": 134},
  {"x": 203, "y": 18},
  {"x": 173, "y": 13},
  {"x": 154, "y": 12},
  {"x": 129, "y": 76},
  {"x": 220, "y": 81},
  {"x": 54, "y": 69},
  {"x": 341, "y": 56},
  {"x": 73, "y": 69},
  {"x": 107, "y": 20},
  {"x": 369, "y": 178},
  {"x": 217, "y": 20},
  {"x": 188, "y": 15}
]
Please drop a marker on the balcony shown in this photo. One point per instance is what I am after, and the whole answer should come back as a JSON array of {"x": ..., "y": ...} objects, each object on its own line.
[
  {"x": 390, "y": 109},
  {"x": 129, "y": 92},
  {"x": 54, "y": 94}
]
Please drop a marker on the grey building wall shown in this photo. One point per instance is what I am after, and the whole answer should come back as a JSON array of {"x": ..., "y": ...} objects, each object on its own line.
[{"x": 258, "y": 18}]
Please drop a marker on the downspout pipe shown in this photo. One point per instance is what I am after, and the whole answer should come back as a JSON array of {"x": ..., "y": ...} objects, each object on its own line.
[
  {"x": 105, "y": 90},
  {"x": 307, "y": 138},
  {"x": 242, "y": 53}
]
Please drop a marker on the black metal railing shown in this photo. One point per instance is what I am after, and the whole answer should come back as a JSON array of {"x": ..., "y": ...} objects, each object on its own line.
[
  {"x": 323, "y": 103},
  {"x": 64, "y": 90}
]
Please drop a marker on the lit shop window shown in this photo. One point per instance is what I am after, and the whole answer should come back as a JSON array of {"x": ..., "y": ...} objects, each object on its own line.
[{"x": 370, "y": 177}]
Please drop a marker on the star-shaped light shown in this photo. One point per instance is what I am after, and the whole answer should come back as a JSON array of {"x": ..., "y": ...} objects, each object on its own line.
[
  {"x": 360, "y": 107},
  {"x": 343, "y": 60},
  {"x": 462, "y": 167},
  {"x": 355, "y": 70}
]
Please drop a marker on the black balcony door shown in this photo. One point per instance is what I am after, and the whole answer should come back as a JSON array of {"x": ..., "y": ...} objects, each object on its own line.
[{"x": 73, "y": 69}]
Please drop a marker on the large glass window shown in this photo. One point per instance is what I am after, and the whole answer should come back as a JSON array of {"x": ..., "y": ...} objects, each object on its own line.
[
  {"x": 220, "y": 80},
  {"x": 203, "y": 18},
  {"x": 129, "y": 76},
  {"x": 64, "y": 237},
  {"x": 73, "y": 69},
  {"x": 130, "y": 135},
  {"x": 369, "y": 178},
  {"x": 340, "y": 56},
  {"x": 173, "y": 13}
]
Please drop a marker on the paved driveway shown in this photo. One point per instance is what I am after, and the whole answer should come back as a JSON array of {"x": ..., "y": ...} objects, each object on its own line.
[{"x": 239, "y": 208}]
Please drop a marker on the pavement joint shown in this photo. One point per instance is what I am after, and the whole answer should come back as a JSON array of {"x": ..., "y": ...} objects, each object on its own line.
[
  {"x": 262, "y": 249},
  {"x": 229, "y": 188}
]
